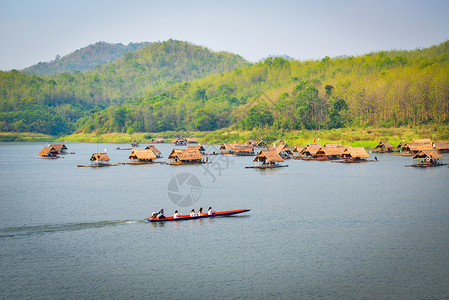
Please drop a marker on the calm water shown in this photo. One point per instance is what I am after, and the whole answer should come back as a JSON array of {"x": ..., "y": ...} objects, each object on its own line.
[{"x": 316, "y": 229}]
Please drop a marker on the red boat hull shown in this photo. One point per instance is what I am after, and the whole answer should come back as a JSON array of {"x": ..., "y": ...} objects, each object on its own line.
[{"x": 188, "y": 217}]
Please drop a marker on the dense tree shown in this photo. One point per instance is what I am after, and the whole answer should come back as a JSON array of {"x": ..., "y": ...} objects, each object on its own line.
[{"x": 174, "y": 85}]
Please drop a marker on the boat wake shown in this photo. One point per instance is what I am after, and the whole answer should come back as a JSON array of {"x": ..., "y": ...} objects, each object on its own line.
[{"x": 52, "y": 228}]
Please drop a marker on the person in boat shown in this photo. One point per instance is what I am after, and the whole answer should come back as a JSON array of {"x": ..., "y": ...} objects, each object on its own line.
[
  {"x": 176, "y": 215},
  {"x": 153, "y": 215},
  {"x": 160, "y": 214},
  {"x": 200, "y": 212},
  {"x": 210, "y": 211},
  {"x": 192, "y": 213}
]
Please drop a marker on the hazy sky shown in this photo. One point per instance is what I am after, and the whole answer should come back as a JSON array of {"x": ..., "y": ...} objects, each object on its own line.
[{"x": 32, "y": 31}]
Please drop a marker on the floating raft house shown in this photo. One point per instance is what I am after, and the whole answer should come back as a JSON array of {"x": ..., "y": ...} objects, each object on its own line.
[
  {"x": 154, "y": 149},
  {"x": 49, "y": 152},
  {"x": 427, "y": 158},
  {"x": 268, "y": 159},
  {"x": 384, "y": 146},
  {"x": 99, "y": 160},
  {"x": 185, "y": 156}
]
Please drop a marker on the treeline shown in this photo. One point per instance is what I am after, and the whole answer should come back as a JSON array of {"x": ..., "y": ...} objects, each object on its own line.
[{"x": 178, "y": 86}]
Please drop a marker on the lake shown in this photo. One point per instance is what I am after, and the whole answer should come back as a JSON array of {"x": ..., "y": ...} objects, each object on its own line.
[{"x": 315, "y": 229}]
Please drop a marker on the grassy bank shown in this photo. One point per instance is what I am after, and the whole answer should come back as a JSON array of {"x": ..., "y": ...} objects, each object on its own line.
[
  {"x": 25, "y": 137},
  {"x": 365, "y": 137}
]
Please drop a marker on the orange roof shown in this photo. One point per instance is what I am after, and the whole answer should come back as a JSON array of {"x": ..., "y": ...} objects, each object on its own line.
[
  {"x": 100, "y": 157},
  {"x": 142, "y": 154},
  {"x": 354, "y": 152},
  {"x": 268, "y": 156},
  {"x": 48, "y": 150}
]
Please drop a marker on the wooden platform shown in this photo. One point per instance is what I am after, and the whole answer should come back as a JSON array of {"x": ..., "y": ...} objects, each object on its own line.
[
  {"x": 266, "y": 167},
  {"x": 98, "y": 166},
  {"x": 425, "y": 165},
  {"x": 183, "y": 164},
  {"x": 138, "y": 163},
  {"x": 352, "y": 161}
]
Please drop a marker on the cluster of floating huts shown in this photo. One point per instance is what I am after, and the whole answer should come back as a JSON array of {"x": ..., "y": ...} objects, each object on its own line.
[
  {"x": 53, "y": 151},
  {"x": 425, "y": 153}
]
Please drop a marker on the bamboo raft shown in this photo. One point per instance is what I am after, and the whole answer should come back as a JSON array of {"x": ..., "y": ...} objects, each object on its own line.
[
  {"x": 98, "y": 165},
  {"x": 352, "y": 161},
  {"x": 140, "y": 163},
  {"x": 181, "y": 163},
  {"x": 266, "y": 167},
  {"x": 425, "y": 165}
]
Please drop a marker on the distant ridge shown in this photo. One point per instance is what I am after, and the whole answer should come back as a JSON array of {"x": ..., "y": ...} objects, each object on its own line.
[{"x": 85, "y": 58}]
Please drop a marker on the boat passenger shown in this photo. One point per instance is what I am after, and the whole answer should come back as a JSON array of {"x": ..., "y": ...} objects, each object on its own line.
[
  {"x": 192, "y": 213},
  {"x": 210, "y": 211},
  {"x": 153, "y": 215},
  {"x": 176, "y": 215},
  {"x": 200, "y": 212},
  {"x": 160, "y": 214}
]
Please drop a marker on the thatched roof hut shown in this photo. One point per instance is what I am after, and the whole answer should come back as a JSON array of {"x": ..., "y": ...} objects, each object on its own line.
[
  {"x": 180, "y": 141},
  {"x": 422, "y": 141},
  {"x": 100, "y": 157},
  {"x": 432, "y": 154},
  {"x": 441, "y": 146},
  {"x": 333, "y": 145},
  {"x": 192, "y": 140},
  {"x": 401, "y": 144},
  {"x": 298, "y": 148},
  {"x": 197, "y": 147},
  {"x": 243, "y": 150},
  {"x": 158, "y": 140},
  {"x": 384, "y": 146},
  {"x": 329, "y": 153},
  {"x": 261, "y": 143},
  {"x": 310, "y": 150},
  {"x": 48, "y": 152},
  {"x": 282, "y": 149},
  {"x": 413, "y": 148},
  {"x": 61, "y": 148},
  {"x": 354, "y": 153},
  {"x": 429, "y": 157},
  {"x": 154, "y": 149},
  {"x": 186, "y": 156},
  {"x": 268, "y": 156},
  {"x": 228, "y": 148},
  {"x": 142, "y": 155}
]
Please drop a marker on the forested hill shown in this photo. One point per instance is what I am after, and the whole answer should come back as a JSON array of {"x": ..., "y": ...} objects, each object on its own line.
[
  {"x": 175, "y": 85},
  {"x": 85, "y": 58},
  {"x": 52, "y": 104},
  {"x": 385, "y": 89}
]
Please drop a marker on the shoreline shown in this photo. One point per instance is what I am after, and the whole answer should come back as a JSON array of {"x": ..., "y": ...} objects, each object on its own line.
[{"x": 358, "y": 137}]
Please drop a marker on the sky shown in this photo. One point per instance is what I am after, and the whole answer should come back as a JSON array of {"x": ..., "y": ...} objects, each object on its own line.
[{"x": 33, "y": 31}]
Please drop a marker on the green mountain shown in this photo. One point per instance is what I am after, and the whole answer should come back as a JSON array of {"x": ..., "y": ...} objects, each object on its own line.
[
  {"x": 52, "y": 104},
  {"x": 177, "y": 86},
  {"x": 386, "y": 89},
  {"x": 85, "y": 58}
]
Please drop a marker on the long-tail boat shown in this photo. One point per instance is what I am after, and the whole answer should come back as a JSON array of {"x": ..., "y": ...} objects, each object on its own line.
[{"x": 188, "y": 217}]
